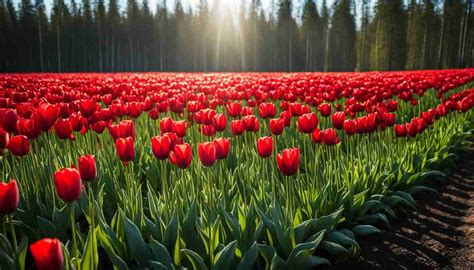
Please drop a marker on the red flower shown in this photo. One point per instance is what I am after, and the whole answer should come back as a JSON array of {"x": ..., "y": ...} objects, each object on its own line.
[
  {"x": 277, "y": 125},
  {"x": 307, "y": 122},
  {"x": 233, "y": 109},
  {"x": 267, "y": 110},
  {"x": 338, "y": 120},
  {"x": 251, "y": 123},
  {"x": 265, "y": 146},
  {"x": 99, "y": 126},
  {"x": 388, "y": 119},
  {"x": 181, "y": 155},
  {"x": 8, "y": 119},
  {"x": 207, "y": 130},
  {"x": 4, "y": 139},
  {"x": 124, "y": 129},
  {"x": 329, "y": 137},
  {"x": 68, "y": 184},
  {"x": 414, "y": 102},
  {"x": 316, "y": 136},
  {"x": 48, "y": 254},
  {"x": 179, "y": 127},
  {"x": 207, "y": 153},
  {"x": 87, "y": 168},
  {"x": 237, "y": 127},
  {"x": 87, "y": 107},
  {"x": 325, "y": 109},
  {"x": 153, "y": 114},
  {"x": 19, "y": 145},
  {"x": 350, "y": 127},
  {"x": 161, "y": 146},
  {"x": 47, "y": 115},
  {"x": 63, "y": 128},
  {"x": 219, "y": 122},
  {"x": 9, "y": 197},
  {"x": 222, "y": 147},
  {"x": 125, "y": 149},
  {"x": 288, "y": 161},
  {"x": 76, "y": 121},
  {"x": 400, "y": 130},
  {"x": 166, "y": 125},
  {"x": 204, "y": 116},
  {"x": 28, "y": 128}
]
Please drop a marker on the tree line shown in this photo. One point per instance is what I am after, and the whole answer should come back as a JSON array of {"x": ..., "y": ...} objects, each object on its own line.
[{"x": 86, "y": 36}]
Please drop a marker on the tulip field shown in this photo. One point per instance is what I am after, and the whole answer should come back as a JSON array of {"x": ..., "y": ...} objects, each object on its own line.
[{"x": 218, "y": 171}]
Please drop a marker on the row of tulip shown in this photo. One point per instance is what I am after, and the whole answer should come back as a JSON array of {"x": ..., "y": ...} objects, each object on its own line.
[{"x": 223, "y": 170}]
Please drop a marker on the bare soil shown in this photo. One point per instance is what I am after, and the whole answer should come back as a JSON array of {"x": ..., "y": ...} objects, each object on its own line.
[{"x": 439, "y": 235}]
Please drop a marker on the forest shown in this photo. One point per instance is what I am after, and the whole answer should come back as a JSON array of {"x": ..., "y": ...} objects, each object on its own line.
[{"x": 348, "y": 35}]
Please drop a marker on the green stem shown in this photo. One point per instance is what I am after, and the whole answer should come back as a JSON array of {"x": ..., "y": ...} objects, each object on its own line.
[
  {"x": 15, "y": 247},
  {"x": 74, "y": 242}
]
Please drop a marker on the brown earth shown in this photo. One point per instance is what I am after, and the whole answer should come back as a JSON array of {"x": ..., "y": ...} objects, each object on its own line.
[{"x": 440, "y": 235}]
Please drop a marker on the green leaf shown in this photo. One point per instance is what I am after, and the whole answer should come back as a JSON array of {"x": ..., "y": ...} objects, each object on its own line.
[
  {"x": 364, "y": 230},
  {"x": 90, "y": 258},
  {"x": 161, "y": 254},
  {"x": 22, "y": 251},
  {"x": 342, "y": 239},
  {"x": 416, "y": 189},
  {"x": 249, "y": 258},
  {"x": 47, "y": 227},
  {"x": 137, "y": 246},
  {"x": 195, "y": 259},
  {"x": 225, "y": 256},
  {"x": 333, "y": 248}
]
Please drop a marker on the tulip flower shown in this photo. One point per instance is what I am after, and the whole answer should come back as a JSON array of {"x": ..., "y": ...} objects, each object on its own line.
[
  {"x": 325, "y": 109},
  {"x": 400, "y": 130},
  {"x": 68, "y": 184},
  {"x": 207, "y": 153},
  {"x": 251, "y": 123},
  {"x": 316, "y": 136},
  {"x": 288, "y": 161},
  {"x": 63, "y": 129},
  {"x": 4, "y": 139},
  {"x": 277, "y": 125},
  {"x": 237, "y": 127},
  {"x": 47, "y": 115},
  {"x": 48, "y": 254},
  {"x": 265, "y": 146},
  {"x": 125, "y": 149},
  {"x": 9, "y": 197},
  {"x": 8, "y": 119},
  {"x": 87, "y": 107},
  {"x": 222, "y": 147},
  {"x": 179, "y": 127},
  {"x": 87, "y": 168},
  {"x": 161, "y": 146},
  {"x": 329, "y": 137},
  {"x": 181, "y": 155},
  {"x": 207, "y": 130},
  {"x": 307, "y": 122},
  {"x": 233, "y": 109},
  {"x": 28, "y": 127},
  {"x": 350, "y": 127},
  {"x": 19, "y": 145},
  {"x": 338, "y": 120},
  {"x": 267, "y": 110},
  {"x": 166, "y": 125},
  {"x": 220, "y": 122}
]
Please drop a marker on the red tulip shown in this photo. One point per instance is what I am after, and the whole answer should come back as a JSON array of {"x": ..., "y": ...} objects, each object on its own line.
[
  {"x": 9, "y": 197},
  {"x": 329, "y": 137},
  {"x": 28, "y": 127},
  {"x": 400, "y": 130},
  {"x": 288, "y": 161},
  {"x": 4, "y": 139},
  {"x": 63, "y": 128},
  {"x": 124, "y": 129},
  {"x": 179, "y": 127},
  {"x": 76, "y": 121},
  {"x": 233, "y": 109},
  {"x": 19, "y": 145},
  {"x": 68, "y": 184},
  {"x": 166, "y": 125},
  {"x": 98, "y": 126},
  {"x": 87, "y": 107},
  {"x": 251, "y": 123},
  {"x": 205, "y": 116},
  {"x": 153, "y": 114},
  {"x": 219, "y": 122},
  {"x": 247, "y": 111},
  {"x": 8, "y": 119},
  {"x": 87, "y": 168},
  {"x": 207, "y": 130},
  {"x": 307, "y": 122},
  {"x": 47, "y": 254},
  {"x": 350, "y": 127},
  {"x": 316, "y": 135},
  {"x": 125, "y": 149},
  {"x": 136, "y": 109},
  {"x": 388, "y": 119},
  {"x": 267, "y": 110},
  {"x": 47, "y": 115},
  {"x": 161, "y": 146},
  {"x": 222, "y": 147},
  {"x": 325, "y": 109},
  {"x": 338, "y": 120},
  {"x": 237, "y": 127},
  {"x": 277, "y": 125},
  {"x": 181, "y": 155},
  {"x": 207, "y": 153},
  {"x": 265, "y": 146}
]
